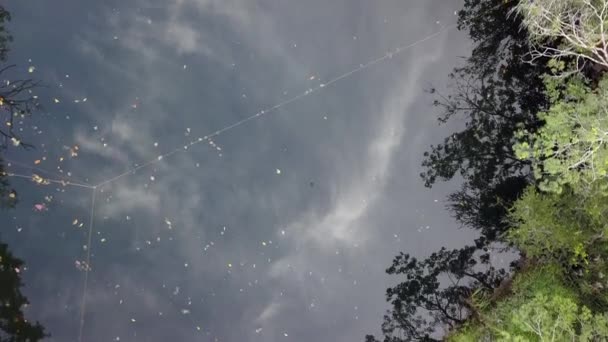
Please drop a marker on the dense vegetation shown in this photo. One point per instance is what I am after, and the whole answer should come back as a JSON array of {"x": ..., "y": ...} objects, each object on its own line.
[{"x": 534, "y": 159}]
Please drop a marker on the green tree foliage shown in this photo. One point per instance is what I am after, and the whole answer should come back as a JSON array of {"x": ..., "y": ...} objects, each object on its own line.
[
  {"x": 560, "y": 224},
  {"x": 563, "y": 295},
  {"x": 564, "y": 226},
  {"x": 567, "y": 229},
  {"x": 571, "y": 146},
  {"x": 541, "y": 308},
  {"x": 549, "y": 317}
]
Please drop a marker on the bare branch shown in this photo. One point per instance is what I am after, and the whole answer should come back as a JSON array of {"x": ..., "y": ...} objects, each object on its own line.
[
  {"x": 16, "y": 102},
  {"x": 578, "y": 25}
]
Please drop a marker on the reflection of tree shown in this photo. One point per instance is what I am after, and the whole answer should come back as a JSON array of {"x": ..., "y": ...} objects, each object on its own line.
[
  {"x": 496, "y": 93},
  {"x": 15, "y": 100},
  {"x": 14, "y": 327},
  {"x": 8, "y": 196},
  {"x": 5, "y": 37},
  {"x": 421, "y": 303}
]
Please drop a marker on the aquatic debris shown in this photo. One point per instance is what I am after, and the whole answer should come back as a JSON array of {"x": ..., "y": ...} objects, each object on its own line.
[
  {"x": 40, "y": 207},
  {"x": 82, "y": 266},
  {"x": 39, "y": 180}
]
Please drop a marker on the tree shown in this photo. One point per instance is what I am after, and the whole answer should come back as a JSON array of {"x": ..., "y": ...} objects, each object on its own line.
[
  {"x": 496, "y": 92},
  {"x": 571, "y": 148},
  {"x": 569, "y": 230},
  {"x": 581, "y": 27},
  {"x": 541, "y": 308},
  {"x": 550, "y": 318},
  {"x": 423, "y": 303}
]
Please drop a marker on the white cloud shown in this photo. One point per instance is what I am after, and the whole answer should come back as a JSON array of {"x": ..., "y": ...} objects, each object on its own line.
[
  {"x": 152, "y": 45},
  {"x": 125, "y": 199},
  {"x": 317, "y": 235},
  {"x": 269, "y": 311},
  {"x": 185, "y": 38},
  {"x": 339, "y": 225},
  {"x": 92, "y": 144}
]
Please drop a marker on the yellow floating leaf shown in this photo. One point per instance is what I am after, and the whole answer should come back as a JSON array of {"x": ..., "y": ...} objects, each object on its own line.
[{"x": 39, "y": 180}]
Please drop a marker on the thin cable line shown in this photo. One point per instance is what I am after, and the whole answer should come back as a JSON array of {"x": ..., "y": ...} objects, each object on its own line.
[
  {"x": 50, "y": 180},
  {"x": 83, "y": 303},
  {"x": 263, "y": 112},
  {"x": 35, "y": 168}
]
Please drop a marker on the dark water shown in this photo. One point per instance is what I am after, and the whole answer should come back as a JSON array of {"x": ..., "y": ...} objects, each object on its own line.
[{"x": 254, "y": 164}]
